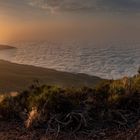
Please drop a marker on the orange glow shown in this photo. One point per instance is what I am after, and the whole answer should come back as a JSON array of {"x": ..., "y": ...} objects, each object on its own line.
[
  {"x": 6, "y": 31},
  {"x": 14, "y": 30},
  {"x": 3, "y": 33}
]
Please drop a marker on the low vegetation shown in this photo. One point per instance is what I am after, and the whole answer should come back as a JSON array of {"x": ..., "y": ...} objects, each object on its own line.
[{"x": 111, "y": 104}]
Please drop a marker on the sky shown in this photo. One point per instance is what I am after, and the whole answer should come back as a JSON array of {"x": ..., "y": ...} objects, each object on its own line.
[{"x": 22, "y": 18}]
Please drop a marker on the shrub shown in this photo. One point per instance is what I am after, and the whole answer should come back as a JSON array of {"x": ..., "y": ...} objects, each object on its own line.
[{"x": 75, "y": 108}]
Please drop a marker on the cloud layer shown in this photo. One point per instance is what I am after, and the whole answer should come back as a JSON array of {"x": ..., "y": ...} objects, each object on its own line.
[
  {"x": 111, "y": 60},
  {"x": 45, "y": 7},
  {"x": 120, "y": 6}
]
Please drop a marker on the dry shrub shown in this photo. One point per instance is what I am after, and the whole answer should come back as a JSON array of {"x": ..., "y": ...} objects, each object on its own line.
[{"x": 112, "y": 103}]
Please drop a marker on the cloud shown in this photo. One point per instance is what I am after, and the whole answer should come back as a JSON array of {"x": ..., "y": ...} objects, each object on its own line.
[
  {"x": 121, "y": 5},
  {"x": 71, "y": 6},
  {"x": 64, "y": 5},
  {"x": 113, "y": 60},
  {"x": 88, "y": 5}
]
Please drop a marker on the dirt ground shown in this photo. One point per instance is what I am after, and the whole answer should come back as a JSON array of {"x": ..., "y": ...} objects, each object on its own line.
[{"x": 16, "y": 131}]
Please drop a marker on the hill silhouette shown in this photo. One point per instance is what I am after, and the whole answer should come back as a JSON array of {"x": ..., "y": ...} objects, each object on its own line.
[{"x": 2, "y": 47}]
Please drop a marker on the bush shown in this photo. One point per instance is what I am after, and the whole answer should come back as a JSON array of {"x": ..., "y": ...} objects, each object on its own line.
[{"x": 53, "y": 107}]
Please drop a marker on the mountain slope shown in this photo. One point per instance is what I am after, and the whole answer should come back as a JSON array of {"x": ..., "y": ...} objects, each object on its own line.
[{"x": 15, "y": 77}]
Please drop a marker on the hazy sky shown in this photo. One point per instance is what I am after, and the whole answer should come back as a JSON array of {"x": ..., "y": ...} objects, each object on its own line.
[{"x": 22, "y": 16}]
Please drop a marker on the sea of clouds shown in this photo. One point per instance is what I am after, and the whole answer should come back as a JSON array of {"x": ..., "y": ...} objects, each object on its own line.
[{"x": 106, "y": 60}]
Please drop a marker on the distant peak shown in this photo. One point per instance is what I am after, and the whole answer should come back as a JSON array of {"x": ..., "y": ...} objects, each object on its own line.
[{"x": 2, "y": 47}]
